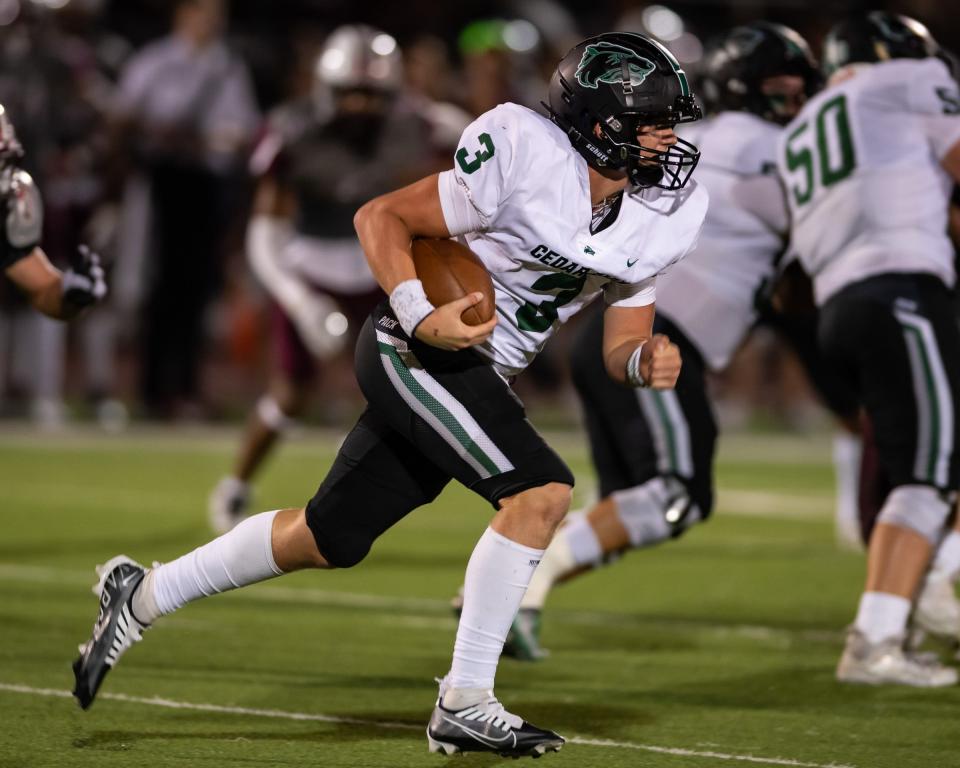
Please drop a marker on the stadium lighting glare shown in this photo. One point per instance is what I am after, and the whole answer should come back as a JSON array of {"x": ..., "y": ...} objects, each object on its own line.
[
  {"x": 687, "y": 48},
  {"x": 383, "y": 45},
  {"x": 520, "y": 36},
  {"x": 662, "y": 22}
]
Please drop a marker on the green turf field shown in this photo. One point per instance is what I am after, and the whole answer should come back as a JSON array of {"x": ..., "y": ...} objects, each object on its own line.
[{"x": 717, "y": 650}]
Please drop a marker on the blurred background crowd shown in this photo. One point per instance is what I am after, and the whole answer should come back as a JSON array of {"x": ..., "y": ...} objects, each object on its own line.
[{"x": 143, "y": 121}]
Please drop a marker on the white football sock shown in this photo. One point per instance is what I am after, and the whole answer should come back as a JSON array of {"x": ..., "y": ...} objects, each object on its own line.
[
  {"x": 947, "y": 560},
  {"x": 574, "y": 546},
  {"x": 497, "y": 576},
  {"x": 242, "y": 556},
  {"x": 882, "y": 616}
]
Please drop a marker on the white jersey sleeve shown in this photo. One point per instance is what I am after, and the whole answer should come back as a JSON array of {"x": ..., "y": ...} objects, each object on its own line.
[
  {"x": 640, "y": 294},
  {"x": 485, "y": 173},
  {"x": 937, "y": 101}
]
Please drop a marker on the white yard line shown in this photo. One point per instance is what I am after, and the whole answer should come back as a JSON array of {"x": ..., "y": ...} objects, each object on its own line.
[{"x": 386, "y": 724}]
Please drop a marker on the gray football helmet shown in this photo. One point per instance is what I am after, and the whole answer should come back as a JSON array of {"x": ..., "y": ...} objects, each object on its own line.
[{"x": 356, "y": 56}]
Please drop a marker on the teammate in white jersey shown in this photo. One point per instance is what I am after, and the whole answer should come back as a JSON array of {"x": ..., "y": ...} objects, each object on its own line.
[
  {"x": 869, "y": 165},
  {"x": 653, "y": 450},
  {"x": 596, "y": 200}
]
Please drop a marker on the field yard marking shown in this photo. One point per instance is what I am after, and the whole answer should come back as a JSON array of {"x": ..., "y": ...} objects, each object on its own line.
[{"x": 386, "y": 724}]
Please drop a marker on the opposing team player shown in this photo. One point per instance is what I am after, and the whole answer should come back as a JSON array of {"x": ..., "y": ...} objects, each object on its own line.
[
  {"x": 321, "y": 158},
  {"x": 60, "y": 295},
  {"x": 869, "y": 165},
  {"x": 595, "y": 201},
  {"x": 653, "y": 450}
]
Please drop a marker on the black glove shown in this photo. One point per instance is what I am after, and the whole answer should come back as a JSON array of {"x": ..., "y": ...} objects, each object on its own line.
[{"x": 85, "y": 282}]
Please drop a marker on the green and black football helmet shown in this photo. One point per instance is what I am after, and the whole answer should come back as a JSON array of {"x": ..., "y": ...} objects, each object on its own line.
[
  {"x": 737, "y": 63},
  {"x": 876, "y": 36},
  {"x": 621, "y": 81}
]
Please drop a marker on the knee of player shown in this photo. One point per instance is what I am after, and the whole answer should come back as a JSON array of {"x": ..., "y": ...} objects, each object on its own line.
[
  {"x": 549, "y": 503},
  {"x": 919, "y": 508},
  {"x": 660, "y": 509},
  {"x": 338, "y": 545},
  {"x": 289, "y": 398}
]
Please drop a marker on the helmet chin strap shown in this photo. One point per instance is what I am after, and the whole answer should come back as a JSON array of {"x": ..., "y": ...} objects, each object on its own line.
[{"x": 645, "y": 175}]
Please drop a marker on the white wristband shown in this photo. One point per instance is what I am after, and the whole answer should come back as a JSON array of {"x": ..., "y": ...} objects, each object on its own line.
[
  {"x": 410, "y": 304},
  {"x": 634, "y": 378}
]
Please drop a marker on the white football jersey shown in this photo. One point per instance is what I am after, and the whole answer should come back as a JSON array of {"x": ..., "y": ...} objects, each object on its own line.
[
  {"x": 861, "y": 164},
  {"x": 519, "y": 193},
  {"x": 711, "y": 294}
]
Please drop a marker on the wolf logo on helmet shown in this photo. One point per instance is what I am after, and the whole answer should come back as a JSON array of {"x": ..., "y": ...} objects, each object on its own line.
[{"x": 603, "y": 62}]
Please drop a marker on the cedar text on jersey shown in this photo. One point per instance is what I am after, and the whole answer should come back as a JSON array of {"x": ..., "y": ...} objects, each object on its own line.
[{"x": 551, "y": 258}]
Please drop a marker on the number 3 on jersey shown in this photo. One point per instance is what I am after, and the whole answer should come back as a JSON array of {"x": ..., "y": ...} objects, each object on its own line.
[
  {"x": 539, "y": 317},
  {"x": 480, "y": 156},
  {"x": 823, "y": 154}
]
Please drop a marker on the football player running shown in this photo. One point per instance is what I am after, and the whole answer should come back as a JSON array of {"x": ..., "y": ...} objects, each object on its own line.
[
  {"x": 869, "y": 165},
  {"x": 594, "y": 200},
  {"x": 60, "y": 295},
  {"x": 653, "y": 450},
  {"x": 317, "y": 163}
]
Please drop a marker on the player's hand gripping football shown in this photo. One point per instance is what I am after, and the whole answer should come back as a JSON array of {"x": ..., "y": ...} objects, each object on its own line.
[
  {"x": 660, "y": 363},
  {"x": 84, "y": 283},
  {"x": 444, "y": 327}
]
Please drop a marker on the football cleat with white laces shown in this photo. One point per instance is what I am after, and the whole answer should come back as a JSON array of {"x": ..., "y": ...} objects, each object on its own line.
[
  {"x": 487, "y": 727},
  {"x": 228, "y": 504},
  {"x": 115, "y": 629},
  {"x": 886, "y": 663}
]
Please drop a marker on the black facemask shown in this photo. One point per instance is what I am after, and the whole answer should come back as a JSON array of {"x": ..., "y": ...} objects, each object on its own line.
[{"x": 360, "y": 130}]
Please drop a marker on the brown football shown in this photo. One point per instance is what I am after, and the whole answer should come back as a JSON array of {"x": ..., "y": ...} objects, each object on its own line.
[{"x": 449, "y": 271}]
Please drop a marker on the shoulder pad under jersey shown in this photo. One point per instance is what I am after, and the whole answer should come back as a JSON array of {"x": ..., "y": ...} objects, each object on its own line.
[{"x": 24, "y": 217}]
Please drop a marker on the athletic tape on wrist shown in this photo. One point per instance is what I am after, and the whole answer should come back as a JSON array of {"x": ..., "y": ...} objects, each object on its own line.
[
  {"x": 634, "y": 377},
  {"x": 410, "y": 304}
]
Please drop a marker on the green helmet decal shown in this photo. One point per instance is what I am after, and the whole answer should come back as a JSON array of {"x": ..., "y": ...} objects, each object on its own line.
[{"x": 602, "y": 62}]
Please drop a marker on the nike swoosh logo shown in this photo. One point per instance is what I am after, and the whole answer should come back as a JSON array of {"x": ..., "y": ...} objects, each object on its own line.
[
  {"x": 127, "y": 579},
  {"x": 483, "y": 738},
  {"x": 631, "y": 263}
]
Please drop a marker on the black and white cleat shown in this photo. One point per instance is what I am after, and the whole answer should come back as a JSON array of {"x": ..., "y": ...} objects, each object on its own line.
[
  {"x": 487, "y": 727},
  {"x": 115, "y": 629}
]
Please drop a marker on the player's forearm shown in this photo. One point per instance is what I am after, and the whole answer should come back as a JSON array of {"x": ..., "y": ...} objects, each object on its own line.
[
  {"x": 385, "y": 238},
  {"x": 616, "y": 359},
  {"x": 49, "y": 301},
  {"x": 42, "y": 283},
  {"x": 387, "y": 225}
]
